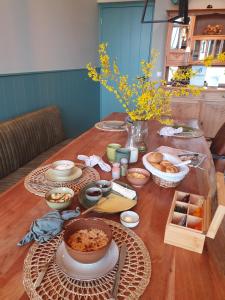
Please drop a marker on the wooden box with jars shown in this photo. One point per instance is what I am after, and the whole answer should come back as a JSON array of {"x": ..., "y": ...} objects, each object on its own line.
[{"x": 190, "y": 221}]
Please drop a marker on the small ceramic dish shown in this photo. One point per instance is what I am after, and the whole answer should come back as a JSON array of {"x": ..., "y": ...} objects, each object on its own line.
[
  {"x": 93, "y": 194},
  {"x": 63, "y": 167},
  {"x": 59, "y": 198},
  {"x": 104, "y": 185},
  {"x": 129, "y": 218},
  {"x": 137, "y": 176},
  {"x": 52, "y": 176}
]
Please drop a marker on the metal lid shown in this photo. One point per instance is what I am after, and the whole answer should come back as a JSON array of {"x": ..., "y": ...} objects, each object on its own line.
[{"x": 124, "y": 160}]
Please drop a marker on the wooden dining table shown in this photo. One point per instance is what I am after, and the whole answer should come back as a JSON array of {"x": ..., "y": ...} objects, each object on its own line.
[{"x": 176, "y": 273}]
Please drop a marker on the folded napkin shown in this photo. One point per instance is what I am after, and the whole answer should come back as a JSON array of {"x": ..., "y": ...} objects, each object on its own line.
[
  {"x": 94, "y": 160},
  {"x": 169, "y": 131},
  {"x": 128, "y": 193},
  {"x": 45, "y": 228}
]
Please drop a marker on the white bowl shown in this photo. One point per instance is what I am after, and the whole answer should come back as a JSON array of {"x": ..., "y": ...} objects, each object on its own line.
[
  {"x": 63, "y": 167},
  {"x": 129, "y": 219},
  {"x": 174, "y": 177}
]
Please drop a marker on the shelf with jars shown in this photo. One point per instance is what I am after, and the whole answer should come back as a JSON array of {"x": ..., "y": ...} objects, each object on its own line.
[
  {"x": 190, "y": 44},
  {"x": 187, "y": 46}
]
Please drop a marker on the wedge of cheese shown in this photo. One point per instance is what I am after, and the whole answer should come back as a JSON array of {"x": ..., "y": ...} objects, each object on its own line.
[{"x": 114, "y": 203}]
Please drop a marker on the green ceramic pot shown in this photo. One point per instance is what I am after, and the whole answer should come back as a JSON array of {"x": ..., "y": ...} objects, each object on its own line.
[
  {"x": 122, "y": 153},
  {"x": 111, "y": 151}
]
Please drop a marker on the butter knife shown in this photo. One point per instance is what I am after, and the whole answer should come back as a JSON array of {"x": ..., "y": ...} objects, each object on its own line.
[
  {"x": 122, "y": 258},
  {"x": 41, "y": 274}
]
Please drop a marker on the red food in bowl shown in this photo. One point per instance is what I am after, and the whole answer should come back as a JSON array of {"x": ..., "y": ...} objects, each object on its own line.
[{"x": 92, "y": 256}]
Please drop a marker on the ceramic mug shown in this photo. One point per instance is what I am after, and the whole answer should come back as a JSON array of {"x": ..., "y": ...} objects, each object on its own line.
[
  {"x": 122, "y": 153},
  {"x": 111, "y": 151}
]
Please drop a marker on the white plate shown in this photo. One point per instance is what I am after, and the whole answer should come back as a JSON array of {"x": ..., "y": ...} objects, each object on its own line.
[
  {"x": 87, "y": 272},
  {"x": 175, "y": 177},
  {"x": 50, "y": 175}
]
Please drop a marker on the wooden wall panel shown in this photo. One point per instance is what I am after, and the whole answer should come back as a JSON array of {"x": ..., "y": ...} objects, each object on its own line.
[{"x": 72, "y": 91}]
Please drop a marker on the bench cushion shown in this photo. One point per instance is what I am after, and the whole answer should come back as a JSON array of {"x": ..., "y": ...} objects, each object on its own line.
[
  {"x": 25, "y": 137},
  {"x": 14, "y": 177}
]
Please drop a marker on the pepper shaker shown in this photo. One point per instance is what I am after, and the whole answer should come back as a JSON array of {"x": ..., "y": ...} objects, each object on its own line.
[{"x": 123, "y": 166}]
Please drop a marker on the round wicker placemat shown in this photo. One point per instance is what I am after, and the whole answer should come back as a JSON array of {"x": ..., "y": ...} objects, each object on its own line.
[
  {"x": 111, "y": 126},
  {"x": 196, "y": 133},
  {"x": 38, "y": 184},
  {"x": 135, "y": 275}
]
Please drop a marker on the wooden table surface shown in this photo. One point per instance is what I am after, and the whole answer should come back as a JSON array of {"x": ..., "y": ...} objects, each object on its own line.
[{"x": 176, "y": 273}]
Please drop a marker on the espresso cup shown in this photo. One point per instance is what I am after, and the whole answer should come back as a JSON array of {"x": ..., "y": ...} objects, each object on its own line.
[
  {"x": 122, "y": 153},
  {"x": 111, "y": 151}
]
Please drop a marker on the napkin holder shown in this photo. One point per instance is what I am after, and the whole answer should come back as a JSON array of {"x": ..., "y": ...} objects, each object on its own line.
[{"x": 192, "y": 239}]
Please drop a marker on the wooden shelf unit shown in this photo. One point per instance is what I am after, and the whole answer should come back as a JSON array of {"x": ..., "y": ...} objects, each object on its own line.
[{"x": 183, "y": 40}]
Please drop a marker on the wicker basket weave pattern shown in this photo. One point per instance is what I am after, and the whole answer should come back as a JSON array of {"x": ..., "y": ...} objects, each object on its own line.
[{"x": 56, "y": 285}]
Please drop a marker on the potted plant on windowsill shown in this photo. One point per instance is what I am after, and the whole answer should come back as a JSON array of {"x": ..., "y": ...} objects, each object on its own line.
[{"x": 143, "y": 98}]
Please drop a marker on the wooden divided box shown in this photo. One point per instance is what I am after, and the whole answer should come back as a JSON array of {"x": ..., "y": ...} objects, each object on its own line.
[{"x": 190, "y": 221}]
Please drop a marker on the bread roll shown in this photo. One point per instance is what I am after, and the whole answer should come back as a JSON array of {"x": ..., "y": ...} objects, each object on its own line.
[
  {"x": 172, "y": 169},
  {"x": 159, "y": 167},
  {"x": 166, "y": 163},
  {"x": 155, "y": 157}
]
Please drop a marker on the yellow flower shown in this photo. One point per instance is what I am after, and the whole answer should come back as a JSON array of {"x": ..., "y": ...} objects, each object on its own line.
[
  {"x": 208, "y": 61},
  {"x": 142, "y": 99},
  {"x": 221, "y": 57},
  {"x": 116, "y": 68}
]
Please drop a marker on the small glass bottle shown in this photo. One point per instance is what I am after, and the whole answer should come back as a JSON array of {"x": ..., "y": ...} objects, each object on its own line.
[
  {"x": 131, "y": 143},
  {"x": 116, "y": 170},
  {"x": 123, "y": 166}
]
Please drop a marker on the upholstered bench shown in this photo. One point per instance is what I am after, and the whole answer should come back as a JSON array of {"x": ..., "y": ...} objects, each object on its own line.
[{"x": 27, "y": 141}]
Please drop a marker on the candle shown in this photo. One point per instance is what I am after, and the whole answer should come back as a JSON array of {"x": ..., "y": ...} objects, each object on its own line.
[{"x": 133, "y": 155}]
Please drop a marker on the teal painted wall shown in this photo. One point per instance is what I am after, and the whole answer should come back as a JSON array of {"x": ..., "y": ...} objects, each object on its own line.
[
  {"x": 128, "y": 40},
  {"x": 71, "y": 90}
]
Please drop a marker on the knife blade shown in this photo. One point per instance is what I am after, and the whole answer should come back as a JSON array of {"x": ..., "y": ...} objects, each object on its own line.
[
  {"x": 42, "y": 273},
  {"x": 122, "y": 258}
]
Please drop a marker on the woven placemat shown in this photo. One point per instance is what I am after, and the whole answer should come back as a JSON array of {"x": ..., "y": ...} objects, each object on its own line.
[
  {"x": 111, "y": 125},
  {"x": 196, "y": 133},
  {"x": 135, "y": 275},
  {"x": 38, "y": 184}
]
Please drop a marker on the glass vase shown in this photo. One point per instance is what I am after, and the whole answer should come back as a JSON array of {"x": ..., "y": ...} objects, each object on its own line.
[{"x": 137, "y": 135}]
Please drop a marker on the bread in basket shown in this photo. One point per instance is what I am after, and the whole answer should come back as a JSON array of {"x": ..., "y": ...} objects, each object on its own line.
[{"x": 162, "y": 178}]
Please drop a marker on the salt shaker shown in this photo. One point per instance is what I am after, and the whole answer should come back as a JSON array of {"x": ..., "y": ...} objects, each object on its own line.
[
  {"x": 123, "y": 166},
  {"x": 116, "y": 170}
]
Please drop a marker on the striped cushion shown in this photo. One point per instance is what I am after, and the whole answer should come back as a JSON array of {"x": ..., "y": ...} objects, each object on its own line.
[
  {"x": 23, "y": 138},
  {"x": 15, "y": 176}
]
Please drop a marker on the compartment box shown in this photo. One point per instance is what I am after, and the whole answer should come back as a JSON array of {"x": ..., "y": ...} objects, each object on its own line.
[{"x": 189, "y": 223}]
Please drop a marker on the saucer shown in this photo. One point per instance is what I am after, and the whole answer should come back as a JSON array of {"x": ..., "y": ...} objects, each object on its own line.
[
  {"x": 50, "y": 175},
  {"x": 86, "y": 272}
]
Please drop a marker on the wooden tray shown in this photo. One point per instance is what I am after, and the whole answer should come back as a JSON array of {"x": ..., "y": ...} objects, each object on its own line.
[{"x": 86, "y": 203}]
